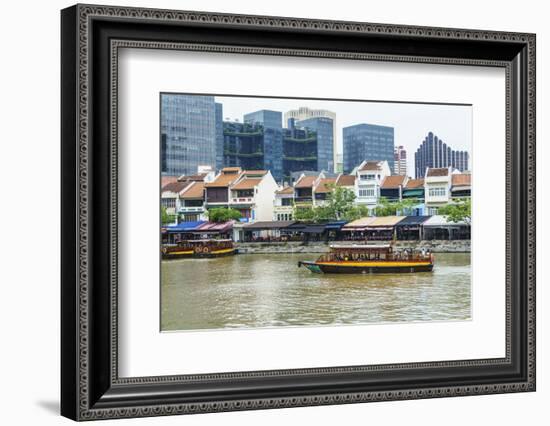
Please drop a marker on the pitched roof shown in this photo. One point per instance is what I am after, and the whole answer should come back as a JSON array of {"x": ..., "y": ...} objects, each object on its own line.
[
  {"x": 462, "y": 179},
  {"x": 345, "y": 180},
  {"x": 165, "y": 180},
  {"x": 247, "y": 183},
  {"x": 371, "y": 165},
  {"x": 255, "y": 172},
  {"x": 305, "y": 182},
  {"x": 286, "y": 190},
  {"x": 195, "y": 191},
  {"x": 325, "y": 185},
  {"x": 437, "y": 171},
  {"x": 393, "y": 181},
  {"x": 175, "y": 187},
  {"x": 414, "y": 183},
  {"x": 223, "y": 179},
  {"x": 198, "y": 177},
  {"x": 231, "y": 170}
]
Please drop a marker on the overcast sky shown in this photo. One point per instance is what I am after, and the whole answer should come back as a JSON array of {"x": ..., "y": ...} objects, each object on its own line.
[{"x": 412, "y": 122}]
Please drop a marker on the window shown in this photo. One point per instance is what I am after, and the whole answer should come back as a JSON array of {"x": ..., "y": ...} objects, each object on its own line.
[
  {"x": 438, "y": 192},
  {"x": 366, "y": 192},
  {"x": 366, "y": 177}
]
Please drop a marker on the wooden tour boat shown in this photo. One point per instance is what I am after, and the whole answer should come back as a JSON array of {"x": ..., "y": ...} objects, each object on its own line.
[
  {"x": 198, "y": 248},
  {"x": 370, "y": 259}
]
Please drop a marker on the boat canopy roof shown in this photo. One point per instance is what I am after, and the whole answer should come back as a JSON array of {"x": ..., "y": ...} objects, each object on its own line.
[
  {"x": 376, "y": 246},
  {"x": 209, "y": 240}
]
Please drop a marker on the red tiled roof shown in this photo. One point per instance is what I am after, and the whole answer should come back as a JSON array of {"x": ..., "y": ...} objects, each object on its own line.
[
  {"x": 414, "y": 183},
  {"x": 231, "y": 169},
  {"x": 372, "y": 165},
  {"x": 286, "y": 190},
  {"x": 165, "y": 180},
  {"x": 437, "y": 171},
  {"x": 198, "y": 177},
  {"x": 248, "y": 183},
  {"x": 305, "y": 182},
  {"x": 195, "y": 191},
  {"x": 325, "y": 185},
  {"x": 255, "y": 172},
  {"x": 345, "y": 180},
  {"x": 224, "y": 179},
  {"x": 462, "y": 179},
  {"x": 393, "y": 181},
  {"x": 175, "y": 187}
]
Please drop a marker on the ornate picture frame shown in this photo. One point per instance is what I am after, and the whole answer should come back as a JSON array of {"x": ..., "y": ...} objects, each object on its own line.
[{"x": 91, "y": 38}]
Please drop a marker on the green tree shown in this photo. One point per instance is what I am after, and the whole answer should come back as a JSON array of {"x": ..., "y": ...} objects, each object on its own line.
[
  {"x": 386, "y": 208},
  {"x": 338, "y": 206},
  {"x": 222, "y": 214},
  {"x": 355, "y": 212},
  {"x": 339, "y": 202},
  {"x": 166, "y": 218},
  {"x": 459, "y": 211},
  {"x": 305, "y": 213}
]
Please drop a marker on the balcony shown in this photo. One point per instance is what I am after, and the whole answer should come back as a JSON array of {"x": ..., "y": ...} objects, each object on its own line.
[
  {"x": 199, "y": 209},
  {"x": 283, "y": 209},
  {"x": 242, "y": 200}
]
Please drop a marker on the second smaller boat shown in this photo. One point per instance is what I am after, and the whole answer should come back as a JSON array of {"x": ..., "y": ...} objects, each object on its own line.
[{"x": 198, "y": 248}]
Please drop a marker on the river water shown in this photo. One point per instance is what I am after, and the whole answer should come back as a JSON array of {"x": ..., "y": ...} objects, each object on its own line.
[{"x": 257, "y": 290}]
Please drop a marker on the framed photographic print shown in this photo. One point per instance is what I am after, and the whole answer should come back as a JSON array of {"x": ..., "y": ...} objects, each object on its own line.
[{"x": 263, "y": 212}]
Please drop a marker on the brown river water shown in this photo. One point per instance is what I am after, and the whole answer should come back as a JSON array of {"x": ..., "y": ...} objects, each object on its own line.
[{"x": 269, "y": 290}]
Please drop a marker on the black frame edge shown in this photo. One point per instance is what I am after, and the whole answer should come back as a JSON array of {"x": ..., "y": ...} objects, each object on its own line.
[{"x": 69, "y": 189}]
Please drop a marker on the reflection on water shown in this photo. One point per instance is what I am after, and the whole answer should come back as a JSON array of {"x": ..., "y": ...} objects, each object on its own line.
[{"x": 248, "y": 291}]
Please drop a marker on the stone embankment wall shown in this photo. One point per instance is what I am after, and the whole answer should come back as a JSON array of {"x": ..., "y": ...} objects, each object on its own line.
[{"x": 436, "y": 246}]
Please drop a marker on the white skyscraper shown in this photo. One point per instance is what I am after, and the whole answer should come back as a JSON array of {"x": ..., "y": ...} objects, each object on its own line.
[{"x": 400, "y": 161}]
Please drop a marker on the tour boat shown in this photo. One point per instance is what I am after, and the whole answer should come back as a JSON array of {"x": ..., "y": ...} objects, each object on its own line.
[
  {"x": 198, "y": 248},
  {"x": 370, "y": 259}
]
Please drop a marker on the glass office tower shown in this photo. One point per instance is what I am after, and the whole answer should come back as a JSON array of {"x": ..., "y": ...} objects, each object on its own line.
[
  {"x": 367, "y": 142},
  {"x": 188, "y": 133},
  {"x": 272, "y": 124},
  {"x": 323, "y": 127}
]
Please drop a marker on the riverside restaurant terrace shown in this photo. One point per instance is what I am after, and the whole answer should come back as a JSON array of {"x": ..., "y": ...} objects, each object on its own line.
[{"x": 383, "y": 228}]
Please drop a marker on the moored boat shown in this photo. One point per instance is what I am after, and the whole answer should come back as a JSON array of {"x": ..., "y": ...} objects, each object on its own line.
[
  {"x": 198, "y": 248},
  {"x": 370, "y": 259}
]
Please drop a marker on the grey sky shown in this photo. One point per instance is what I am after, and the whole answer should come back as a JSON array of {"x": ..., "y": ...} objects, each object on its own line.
[{"x": 412, "y": 122}]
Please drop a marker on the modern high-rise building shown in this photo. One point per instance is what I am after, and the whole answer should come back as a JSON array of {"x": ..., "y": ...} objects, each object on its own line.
[
  {"x": 339, "y": 163},
  {"x": 260, "y": 143},
  {"x": 434, "y": 153},
  {"x": 304, "y": 113},
  {"x": 219, "y": 136},
  {"x": 400, "y": 161},
  {"x": 324, "y": 128},
  {"x": 272, "y": 128},
  {"x": 369, "y": 142},
  {"x": 188, "y": 133}
]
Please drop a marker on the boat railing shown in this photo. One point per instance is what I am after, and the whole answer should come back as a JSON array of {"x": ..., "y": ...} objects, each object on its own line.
[{"x": 355, "y": 256}]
